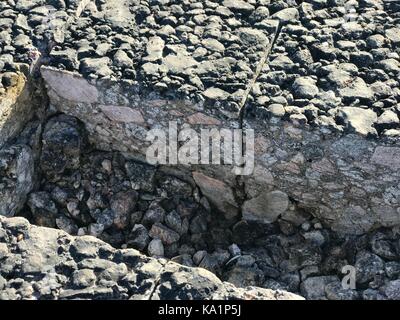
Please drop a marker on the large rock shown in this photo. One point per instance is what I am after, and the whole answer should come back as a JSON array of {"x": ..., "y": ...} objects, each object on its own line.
[
  {"x": 357, "y": 89},
  {"x": 266, "y": 207},
  {"x": 218, "y": 192},
  {"x": 392, "y": 290},
  {"x": 69, "y": 86},
  {"x": 16, "y": 178},
  {"x": 87, "y": 268},
  {"x": 62, "y": 145},
  {"x": 287, "y": 15},
  {"x": 305, "y": 88}
]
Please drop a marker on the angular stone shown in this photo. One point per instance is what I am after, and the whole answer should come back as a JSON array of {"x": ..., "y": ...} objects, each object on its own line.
[
  {"x": 122, "y": 114},
  {"x": 359, "y": 120},
  {"x": 122, "y": 205},
  {"x": 252, "y": 37},
  {"x": 43, "y": 209},
  {"x": 218, "y": 192},
  {"x": 122, "y": 60},
  {"x": 178, "y": 64},
  {"x": 166, "y": 235},
  {"x": 335, "y": 291},
  {"x": 305, "y": 88},
  {"x": 392, "y": 290},
  {"x": 367, "y": 266},
  {"x": 266, "y": 207},
  {"x": 313, "y": 288},
  {"x": 202, "y": 119},
  {"x": 156, "y": 248},
  {"x": 393, "y": 34},
  {"x": 216, "y": 94},
  {"x": 83, "y": 278},
  {"x": 70, "y": 86},
  {"x": 62, "y": 144},
  {"x": 287, "y": 15},
  {"x": 386, "y": 156},
  {"x": 213, "y": 45},
  {"x": 357, "y": 89},
  {"x": 238, "y": 5},
  {"x": 139, "y": 237},
  {"x": 16, "y": 178},
  {"x": 154, "y": 49},
  {"x": 16, "y": 104}
]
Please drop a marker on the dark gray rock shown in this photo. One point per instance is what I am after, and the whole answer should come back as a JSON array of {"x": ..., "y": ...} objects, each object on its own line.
[
  {"x": 62, "y": 145},
  {"x": 154, "y": 214},
  {"x": 314, "y": 287},
  {"x": 43, "y": 209},
  {"x": 122, "y": 205},
  {"x": 392, "y": 269},
  {"x": 367, "y": 266},
  {"x": 335, "y": 291},
  {"x": 383, "y": 247},
  {"x": 392, "y": 290},
  {"x": 141, "y": 175},
  {"x": 139, "y": 237}
]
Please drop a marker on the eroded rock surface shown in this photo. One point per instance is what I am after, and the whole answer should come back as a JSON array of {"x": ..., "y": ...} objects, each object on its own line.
[
  {"x": 164, "y": 214},
  {"x": 318, "y": 81},
  {"x": 42, "y": 263}
]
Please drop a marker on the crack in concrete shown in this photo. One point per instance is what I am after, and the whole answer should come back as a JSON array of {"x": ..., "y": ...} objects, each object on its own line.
[
  {"x": 260, "y": 66},
  {"x": 239, "y": 190},
  {"x": 156, "y": 283}
]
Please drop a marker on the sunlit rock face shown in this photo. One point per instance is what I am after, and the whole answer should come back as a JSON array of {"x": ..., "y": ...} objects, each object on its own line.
[{"x": 83, "y": 82}]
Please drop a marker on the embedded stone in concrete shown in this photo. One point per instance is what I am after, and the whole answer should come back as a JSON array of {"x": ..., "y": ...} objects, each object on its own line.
[
  {"x": 218, "y": 192},
  {"x": 123, "y": 114},
  {"x": 387, "y": 157},
  {"x": 71, "y": 87},
  {"x": 202, "y": 119},
  {"x": 359, "y": 120},
  {"x": 266, "y": 207}
]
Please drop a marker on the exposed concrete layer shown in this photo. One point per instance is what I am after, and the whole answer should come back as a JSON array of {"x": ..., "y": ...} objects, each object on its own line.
[
  {"x": 50, "y": 264},
  {"x": 161, "y": 212},
  {"x": 123, "y": 68},
  {"x": 349, "y": 182},
  {"x": 28, "y": 30},
  {"x": 335, "y": 66},
  {"x": 203, "y": 52}
]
